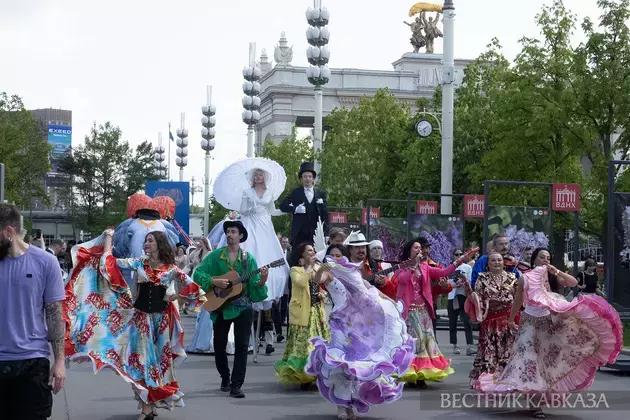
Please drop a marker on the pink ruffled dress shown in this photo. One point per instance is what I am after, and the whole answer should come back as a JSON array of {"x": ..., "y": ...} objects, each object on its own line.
[{"x": 559, "y": 344}]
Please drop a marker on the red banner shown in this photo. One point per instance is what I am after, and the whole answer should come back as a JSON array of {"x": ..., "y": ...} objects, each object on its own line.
[
  {"x": 375, "y": 213},
  {"x": 474, "y": 206},
  {"x": 427, "y": 207},
  {"x": 566, "y": 197},
  {"x": 339, "y": 217}
]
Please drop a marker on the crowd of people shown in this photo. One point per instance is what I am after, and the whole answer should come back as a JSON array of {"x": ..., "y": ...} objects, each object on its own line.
[{"x": 379, "y": 336}]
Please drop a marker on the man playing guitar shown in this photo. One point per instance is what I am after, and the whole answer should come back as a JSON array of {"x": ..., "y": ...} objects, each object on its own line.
[{"x": 239, "y": 311}]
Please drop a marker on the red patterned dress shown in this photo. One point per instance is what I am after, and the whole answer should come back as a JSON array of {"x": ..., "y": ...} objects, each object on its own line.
[{"x": 104, "y": 325}]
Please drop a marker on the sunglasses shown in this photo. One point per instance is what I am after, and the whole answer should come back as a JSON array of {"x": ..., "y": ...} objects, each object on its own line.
[{"x": 458, "y": 254}]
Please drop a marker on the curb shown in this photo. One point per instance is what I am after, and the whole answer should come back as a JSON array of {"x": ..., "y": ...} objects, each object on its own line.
[{"x": 625, "y": 351}]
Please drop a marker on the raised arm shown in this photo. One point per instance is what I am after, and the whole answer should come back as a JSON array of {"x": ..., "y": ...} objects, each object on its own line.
[
  {"x": 286, "y": 205},
  {"x": 436, "y": 273}
]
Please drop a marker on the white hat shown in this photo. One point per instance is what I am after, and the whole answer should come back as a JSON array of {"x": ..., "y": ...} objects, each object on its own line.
[
  {"x": 356, "y": 239},
  {"x": 376, "y": 244}
]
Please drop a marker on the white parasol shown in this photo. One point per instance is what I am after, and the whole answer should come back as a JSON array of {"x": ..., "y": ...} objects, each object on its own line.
[{"x": 236, "y": 178}]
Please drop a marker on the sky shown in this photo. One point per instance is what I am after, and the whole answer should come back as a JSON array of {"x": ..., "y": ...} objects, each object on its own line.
[{"x": 140, "y": 63}]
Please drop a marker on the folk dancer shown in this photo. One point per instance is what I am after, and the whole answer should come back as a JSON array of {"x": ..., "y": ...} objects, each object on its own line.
[
  {"x": 307, "y": 319},
  {"x": 414, "y": 290},
  {"x": 559, "y": 344},
  {"x": 137, "y": 334},
  {"x": 490, "y": 304},
  {"x": 239, "y": 311}
]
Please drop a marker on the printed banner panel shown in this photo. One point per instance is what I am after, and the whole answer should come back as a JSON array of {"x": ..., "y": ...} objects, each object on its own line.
[
  {"x": 444, "y": 232},
  {"x": 621, "y": 278},
  {"x": 392, "y": 232},
  {"x": 525, "y": 227},
  {"x": 178, "y": 191}
]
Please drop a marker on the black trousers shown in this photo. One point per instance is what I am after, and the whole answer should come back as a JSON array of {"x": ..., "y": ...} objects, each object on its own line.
[
  {"x": 284, "y": 308},
  {"x": 301, "y": 238},
  {"x": 453, "y": 314},
  {"x": 242, "y": 331},
  {"x": 24, "y": 390},
  {"x": 276, "y": 315}
]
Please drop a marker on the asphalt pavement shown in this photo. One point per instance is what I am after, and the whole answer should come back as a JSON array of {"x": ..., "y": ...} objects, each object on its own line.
[{"x": 107, "y": 397}]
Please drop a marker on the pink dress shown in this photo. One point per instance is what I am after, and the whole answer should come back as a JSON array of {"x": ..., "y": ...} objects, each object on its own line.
[{"x": 559, "y": 344}]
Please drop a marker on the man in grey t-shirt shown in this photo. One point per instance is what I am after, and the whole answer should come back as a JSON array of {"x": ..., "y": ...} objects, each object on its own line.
[{"x": 30, "y": 319}]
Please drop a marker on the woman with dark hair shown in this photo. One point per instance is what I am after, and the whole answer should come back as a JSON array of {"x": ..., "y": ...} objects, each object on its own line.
[
  {"x": 588, "y": 280},
  {"x": 559, "y": 344},
  {"x": 307, "y": 318},
  {"x": 136, "y": 333},
  {"x": 415, "y": 291}
]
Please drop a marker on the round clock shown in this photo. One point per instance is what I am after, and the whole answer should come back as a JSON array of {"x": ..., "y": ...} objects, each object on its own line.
[{"x": 424, "y": 128}]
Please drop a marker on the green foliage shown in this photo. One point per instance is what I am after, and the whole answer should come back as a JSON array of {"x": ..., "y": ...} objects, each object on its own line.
[
  {"x": 105, "y": 172},
  {"x": 289, "y": 153},
  {"x": 24, "y": 150}
]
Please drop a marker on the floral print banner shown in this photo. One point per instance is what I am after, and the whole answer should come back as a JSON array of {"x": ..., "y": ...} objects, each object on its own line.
[
  {"x": 525, "y": 227},
  {"x": 392, "y": 232},
  {"x": 444, "y": 233}
]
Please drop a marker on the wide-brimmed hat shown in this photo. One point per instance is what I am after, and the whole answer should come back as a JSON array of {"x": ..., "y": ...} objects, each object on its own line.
[
  {"x": 356, "y": 239},
  {"x": 237, "y": 224},
  {"x": 307, "y": 167}
]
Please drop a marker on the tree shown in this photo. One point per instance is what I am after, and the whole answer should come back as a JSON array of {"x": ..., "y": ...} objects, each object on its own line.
[
  {"x": 289, "y": 153},
  {"x": 25, "y": 151},
  {"x": 105, "y": 173}
]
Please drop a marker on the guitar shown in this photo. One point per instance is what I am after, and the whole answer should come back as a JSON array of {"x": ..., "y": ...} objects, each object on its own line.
[
  {"x": 409, "y": 263},
  {"x": 217, "y": 298}
]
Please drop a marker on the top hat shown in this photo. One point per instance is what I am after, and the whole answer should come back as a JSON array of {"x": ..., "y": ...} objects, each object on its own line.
[
  {"x": 237, "y": 224},
  {"x": 356, "y": 239},
  {"x": 307, "y": 167}
]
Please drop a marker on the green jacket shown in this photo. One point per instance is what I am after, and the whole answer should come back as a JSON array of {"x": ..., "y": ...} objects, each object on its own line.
[{"x": 217, "y": 264}]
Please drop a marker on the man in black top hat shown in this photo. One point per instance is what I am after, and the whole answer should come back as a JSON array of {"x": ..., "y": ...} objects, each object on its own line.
[
  {"x": 307, "y": 204},
  {"x": 239, "y": 311}
]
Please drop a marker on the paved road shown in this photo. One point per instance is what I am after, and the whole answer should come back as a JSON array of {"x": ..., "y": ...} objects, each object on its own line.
[{"x": 107, "y": 397}]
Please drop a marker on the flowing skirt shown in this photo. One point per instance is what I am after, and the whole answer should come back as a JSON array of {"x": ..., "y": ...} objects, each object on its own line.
[
  {"x": 202, "y": 340},
  {"x": 560, "y": 352},
  {"x": 290, "y": 370},
  {"x": 369, "y": 346},
  {"x": 495, "y": 345},
  {"x": 429, "y": 364},
  {"x": 103, "y": 327},
  {"x": 263, "y": 244}
]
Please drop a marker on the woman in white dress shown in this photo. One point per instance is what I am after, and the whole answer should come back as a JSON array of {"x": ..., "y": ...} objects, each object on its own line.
[{"x": 257, "y": 207}]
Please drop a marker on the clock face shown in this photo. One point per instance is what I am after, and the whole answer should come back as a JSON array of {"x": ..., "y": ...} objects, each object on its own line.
[{"x": 424, "y": 128}]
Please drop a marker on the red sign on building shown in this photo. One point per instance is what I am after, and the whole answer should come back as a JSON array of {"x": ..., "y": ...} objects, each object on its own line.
[
  {"x": 474, "y": 206},
  {"x": 427, "y": 207},
  {"x": 338, "y": 217},
  {"x": 375, "y": 213},
  {"x": 566, "y": 197}
]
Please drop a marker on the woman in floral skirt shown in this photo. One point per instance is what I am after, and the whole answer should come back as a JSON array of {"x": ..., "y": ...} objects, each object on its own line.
[
  {"x": 139, "y": 335},
  {"x": 414, "y": 290},
  {"x": 494, "y": 294},
  {"x": 559, "y": 344},
  {"x": 307, "y": 318}
]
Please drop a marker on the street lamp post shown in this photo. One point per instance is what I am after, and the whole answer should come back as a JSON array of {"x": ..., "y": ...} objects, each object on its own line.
[
  {"x": 251, "y": 101},
  {"x": 208, "y": 121},
  {"x": 318, "y": 73},
  {"x": 182, "y": 149},
  {"x": 160, "y": 157},
  {"x": 448, "y": 79}
]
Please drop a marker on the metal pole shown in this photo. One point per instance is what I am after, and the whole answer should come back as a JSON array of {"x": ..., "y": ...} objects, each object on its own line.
[
  {"x": 576, "y": 245},
  {"x": 250, "y": 141},
  {"x": 610, "y": 239},
  {"x": 206, "y": 197},
  {"x": 448, "y": 77},
  {"x": 168, "y": 167},
  {"x": 317, "y": 127},
  {"x": 1, "y": 182}
]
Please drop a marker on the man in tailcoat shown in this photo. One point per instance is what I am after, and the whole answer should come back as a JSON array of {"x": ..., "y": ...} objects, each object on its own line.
[{"x": 307, "y": 204}]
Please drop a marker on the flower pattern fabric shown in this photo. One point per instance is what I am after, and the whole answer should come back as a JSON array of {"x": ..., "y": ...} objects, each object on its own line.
[
  {"x": 559, "y": 352},
  {"x": 103, "y": 327},
  {"x": 495, "y": 337}
]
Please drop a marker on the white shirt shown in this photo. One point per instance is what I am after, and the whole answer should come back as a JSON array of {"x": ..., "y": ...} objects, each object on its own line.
[
  {"x": 536, "y": 311},
  {"x": 467, "y": 270},
  {"x": 309, "y": 193}
]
